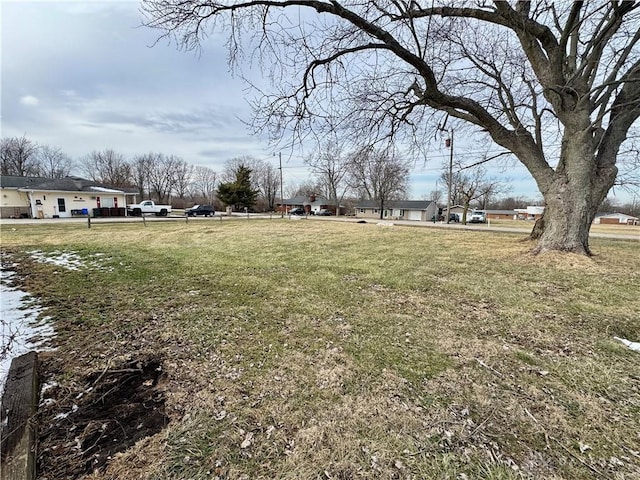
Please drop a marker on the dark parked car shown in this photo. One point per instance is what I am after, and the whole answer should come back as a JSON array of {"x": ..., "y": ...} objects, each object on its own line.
[
  {"x": 297, "y": 211},
  {"x": 206, "y": 210},
  {"x": 453, "y": 217},
  {"x": 325, "y": 212}
]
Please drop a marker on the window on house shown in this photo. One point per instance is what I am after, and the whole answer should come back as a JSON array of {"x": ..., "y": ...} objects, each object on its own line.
[
  {"x": 375, "y": 210},
  {"x": 402, "y": 213},
  {"x": 362, "y": 210},
  {"x": 61, "y": 205},
  {"x": 106, "y": 202}
]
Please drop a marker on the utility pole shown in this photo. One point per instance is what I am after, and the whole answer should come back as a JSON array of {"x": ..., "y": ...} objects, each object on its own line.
[
  {"x": 281, "y": 187},
  {"x": 450, "y": 179}
]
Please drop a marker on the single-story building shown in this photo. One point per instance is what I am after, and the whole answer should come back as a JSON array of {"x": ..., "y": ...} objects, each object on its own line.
[
  {"x": 311, "y": 204},
  {"x": 532, "y": 212},
  {"x": 419, "y": 210},
  {"x": 501, "y": 214},
  {"x": 616, "y": 219},
  {"x": 37, "y": 197},
  {"x": 456, "y": 209}
]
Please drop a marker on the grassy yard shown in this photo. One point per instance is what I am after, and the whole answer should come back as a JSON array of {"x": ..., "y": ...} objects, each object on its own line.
[{"x": 322, "y": 350}]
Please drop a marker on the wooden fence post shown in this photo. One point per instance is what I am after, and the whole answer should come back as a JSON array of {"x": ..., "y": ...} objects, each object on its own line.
[{"x": 17, "y": 428}]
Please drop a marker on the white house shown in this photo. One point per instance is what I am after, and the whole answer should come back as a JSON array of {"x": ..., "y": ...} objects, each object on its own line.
[
  {"x": 532, "y": 212},
  {"x": 616, "y": 219},
  {"x": 37, "y": 197},
  {"x": 419, "y": 210}
]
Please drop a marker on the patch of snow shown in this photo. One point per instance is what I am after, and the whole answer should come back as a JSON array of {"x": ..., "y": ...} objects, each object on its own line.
[
  {"x": 632, "y": 345},
  {"x": 104, "y": 189},
  {"x": 385, "y": 224},
  {"x": 71, "y": 260},
  {"x": 22, "y": 327},
  {"x": 65, "y": 415}
]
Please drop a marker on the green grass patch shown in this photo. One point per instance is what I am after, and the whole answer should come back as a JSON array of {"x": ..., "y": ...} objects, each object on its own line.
[{"x": 337, "y": 350}]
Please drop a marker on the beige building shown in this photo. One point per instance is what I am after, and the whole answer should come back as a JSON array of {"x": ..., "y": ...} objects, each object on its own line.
[
  {"x": 616, "y": 219},
  {"x": 36, "y": 197},
  {"x": 418, "y": 210}
]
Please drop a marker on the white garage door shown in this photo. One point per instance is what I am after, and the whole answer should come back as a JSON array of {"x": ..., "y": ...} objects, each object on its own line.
[{"x": 415, "y": 215}]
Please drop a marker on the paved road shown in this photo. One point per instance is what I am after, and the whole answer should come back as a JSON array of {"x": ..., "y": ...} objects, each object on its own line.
[
  {"x": 478, "y": 227},
  {"x": 239, "y": 217}
]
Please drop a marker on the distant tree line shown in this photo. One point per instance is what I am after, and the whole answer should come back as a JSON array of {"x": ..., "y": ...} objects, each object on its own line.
[
  {"x": 22, "y": 157},
  {"x": 160, "y": 177},
  {"x": 345, "y": 176},
  {"x": 341, "y": 175}
]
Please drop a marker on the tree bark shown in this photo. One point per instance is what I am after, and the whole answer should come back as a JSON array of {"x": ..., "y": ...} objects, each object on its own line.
[
  {"x": 538, "y": 229},
  {"x": 573, "y": 196}
]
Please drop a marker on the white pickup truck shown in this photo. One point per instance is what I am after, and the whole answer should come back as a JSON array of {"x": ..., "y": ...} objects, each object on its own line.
[
  {"x": 478, "y": 217},
  {"x": 148, "y": 206}
]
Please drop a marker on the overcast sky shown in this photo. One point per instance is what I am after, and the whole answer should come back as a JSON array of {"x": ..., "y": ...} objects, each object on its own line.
[{"x": 84, "y": 76}]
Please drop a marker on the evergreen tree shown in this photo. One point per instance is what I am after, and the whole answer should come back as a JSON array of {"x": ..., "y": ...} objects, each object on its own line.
[{"x": 238, "y": 194}]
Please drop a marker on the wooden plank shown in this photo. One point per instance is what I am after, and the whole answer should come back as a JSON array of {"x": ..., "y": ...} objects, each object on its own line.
[{"x": 17, "y": 427}]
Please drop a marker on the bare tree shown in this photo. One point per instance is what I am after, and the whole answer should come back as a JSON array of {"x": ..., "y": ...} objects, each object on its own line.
[
  {"x": 435, "y": 196},
  {"x": 303, "y": 189},
  {"x": 330, "y": 165},
  {"x": 183, "y": 173},
  {"x": 469, "y": 185},
  {"x": 53, "y": 163},
  {"x": 232, "y": 165},
  {"x": 379, "y": 175},
  {"x": 19, "y": 157},
  {"x": 267, "y": 179},
  {"x": 163, "y": 176},
  {"x": 552, "y": 71},
  {"x": 511, "y": 203},
  {"x": 140, "y": 168},
  {"x": 108, "y": 167},
  {"x": 204, "y": 184}
]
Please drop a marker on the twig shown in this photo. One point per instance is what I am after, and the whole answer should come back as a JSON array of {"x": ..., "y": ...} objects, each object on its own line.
[
  {"x": 530, "y": 414},
  {"x": 589, "y": 466},
  {"x": 489, "y": 368},
  {"x": 482, "y": 423},
  {"x": 95, "y": 382}
]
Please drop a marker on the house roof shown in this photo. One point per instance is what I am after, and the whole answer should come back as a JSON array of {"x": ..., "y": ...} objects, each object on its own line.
[
  {"x": 618, "y": 215},
  {"x": 12, "y": 181},
  {"x": 501, "y": 212},
  {"x": 67, "y": 184},
  {"x": 403, "y": 204},
  {"x": 302, "y": 200}
]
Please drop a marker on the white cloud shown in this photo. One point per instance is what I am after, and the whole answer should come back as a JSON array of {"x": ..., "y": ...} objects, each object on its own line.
[{"x": 29, "y": 101}]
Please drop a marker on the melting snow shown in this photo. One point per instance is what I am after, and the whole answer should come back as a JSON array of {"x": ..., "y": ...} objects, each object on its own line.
[
  {"x": 20, "y": 329},
  {"x": 70, "y": 260},
  {"x": 632, "y": 345}
]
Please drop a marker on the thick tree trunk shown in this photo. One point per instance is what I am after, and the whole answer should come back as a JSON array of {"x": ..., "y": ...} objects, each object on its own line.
[
  {"x": 572, "y": 198},
  {"x": 567, "y": 220}
]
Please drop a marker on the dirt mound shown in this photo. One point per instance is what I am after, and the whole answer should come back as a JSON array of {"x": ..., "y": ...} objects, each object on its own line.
[{"x": 81, "y": 430}]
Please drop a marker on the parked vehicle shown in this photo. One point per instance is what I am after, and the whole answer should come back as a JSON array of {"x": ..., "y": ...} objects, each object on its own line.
[
  {"x": 324, "y": 212},
  {"x": 148, "y": 206},
  {"x": 297, "y": 211},
  {"x": 453, "y": 217},
  {"x": 478, "y": 217},
  {"x": 205, "y": 210}
]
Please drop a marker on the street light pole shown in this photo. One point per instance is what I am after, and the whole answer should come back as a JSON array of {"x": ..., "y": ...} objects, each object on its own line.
[
  {"x": 450, "y": 173},
  {"x": 281, "y": 187}
]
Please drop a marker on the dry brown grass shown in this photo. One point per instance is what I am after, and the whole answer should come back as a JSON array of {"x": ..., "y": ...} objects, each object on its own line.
[{"x": 329, "y": 350}]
